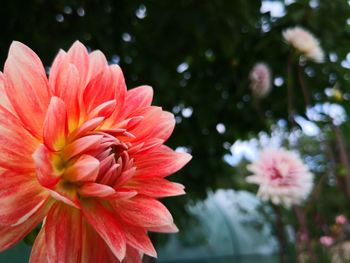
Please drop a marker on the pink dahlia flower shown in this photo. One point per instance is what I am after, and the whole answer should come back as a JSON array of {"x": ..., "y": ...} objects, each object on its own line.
[
  {"x": 326, "y": 241},
  {"x": 282, "y": 177},
  {"x": 305, "y": 42},
  {"x": 340, "y": 220},
  {"x": 260, "y": 80},
  {"x": 84, "y": 156}
]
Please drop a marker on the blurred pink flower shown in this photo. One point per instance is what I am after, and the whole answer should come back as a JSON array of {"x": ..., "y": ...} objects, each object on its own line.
[
  {"x": 282, "y": 177},
  {"x": 340, "y": 219},
  {"x": 326, "y": 241},
  {"x": 84, "y": 155},
  {"x": 260, "y": 80},
  {"x": 305, "y": 42}
]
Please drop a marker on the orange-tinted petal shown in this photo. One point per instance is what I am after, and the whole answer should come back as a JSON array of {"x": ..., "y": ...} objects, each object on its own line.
[
  {"x": 63, "y": 234},
  {"x": 132, "y": 255},
  {"x": 94, "y": 248},
  {"x": 172, "y": 228},
  {"x": 55, "y": 125},
  {"x": 4, "y": 101},
  {"x": 137, "y": 238},
  {"x": 27, "y": 87},
  {"x": 16, "y": 144},
  {"x": 82, "y": 145},
  {"x": 78, "y": 56},
  {"x": 156, "y": 187},
  {"x": 39, "y": 253},
  {"x": 155, "y": 124},
  {"x": 67, "y": 87},
  {"x": 86, "y": 169},
  {"x": 97, "y": 63},
  {"x": 144, "y": 212},
  {"x": 46, "y": 174},
  {"x": 101, "y": 89},
  {"x": 162, "y": 162},
  {"x": 137, "y": 98},
  {"x": 96, "y": 190},
  {"x": 106, "y": 225},
  {"x": 55, "y": 69},
  {"x": 11, "y": 235},
  {"x": 105, "y": 109},
  {"x": 20, "y": 197}
]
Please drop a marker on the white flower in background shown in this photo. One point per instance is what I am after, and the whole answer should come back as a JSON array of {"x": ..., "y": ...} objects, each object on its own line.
[
  {"x": 260, "y": 80},
  {"x": 305, "y": 42},
  {"x": 282, "y": 177}
]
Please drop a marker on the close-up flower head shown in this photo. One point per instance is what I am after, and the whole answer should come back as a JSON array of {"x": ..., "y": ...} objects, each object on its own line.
[{"x": 84, "y": 156}]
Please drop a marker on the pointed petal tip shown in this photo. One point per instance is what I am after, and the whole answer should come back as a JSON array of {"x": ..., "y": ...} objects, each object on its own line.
[
  {"x": 16, "y": 44},
  {"x": 19, "y": 49},
  {"x": 148, "y": 88},
  {"x": 185, "y": 158},
  {"x": 78, "y": 43}
]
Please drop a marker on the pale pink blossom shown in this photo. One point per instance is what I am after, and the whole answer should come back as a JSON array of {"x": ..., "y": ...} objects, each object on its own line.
[
  {"x": 305, "y": 42},
  {"x": 282, "y": 177},
  {"x": 326, "y": 241},
  {"x": 260, "y": 80},
  {"x": 340, "y": 219}
]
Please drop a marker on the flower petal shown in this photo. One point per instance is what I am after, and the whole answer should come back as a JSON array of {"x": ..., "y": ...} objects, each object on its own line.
[
  {"x": 156, "y": 187},
  {"x": 67, "y": 193},
  {"x": 39, "y": 254},
  {"x": 137, "y": 238},
  {"x": 101, "y": 89},
  {"x": 16, "y": 144},
  {"x": 55, "y": 125},
  {"x": 132, "y": 255},
  {"x": 105, "y": 109},
  {"x": 20, "y": 197},
  {"x": 155, "y": 124},
  {"x": 162, "y": 162},
  {"x": 94, "y": 248},
  {"x": 86, "y": 127},
  {"x": 78, "y": 56},
  {"x": 97, "y": 63},
  {"x": 55, "y": 68},
  {"x": 137, "y": 98},
  {"x": 11, "y": 235},
  {"x": 4, "y": 101},
  {"x": 27, "y": 83},
  {"x": 81, "y": 145},
  {"x": 67, "y": 87},
  {"x": 46, "y": 173},
  {"x": 63, "y": 234},
  {"x": 172, "y": 228},
  {"x": 96, "y": 190},
  {"x": 86, "y": 168},
  {"x": 106, "y": 225},
  {"x": 144, "y": 212}
]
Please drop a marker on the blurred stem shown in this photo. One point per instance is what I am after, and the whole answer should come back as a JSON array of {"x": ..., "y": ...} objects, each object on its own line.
[
  {"x": 315, "y": 193},
  {"x": 303, "y": 86},
  {"x": 280, "y": 234},
  {"x": 303, "y": 235},
  {"x": 290, "y": 89},
  {"x": 333, "y": 167},
  {"x": 260, "y": 112},
  {"x": 344, "y": 158}
]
